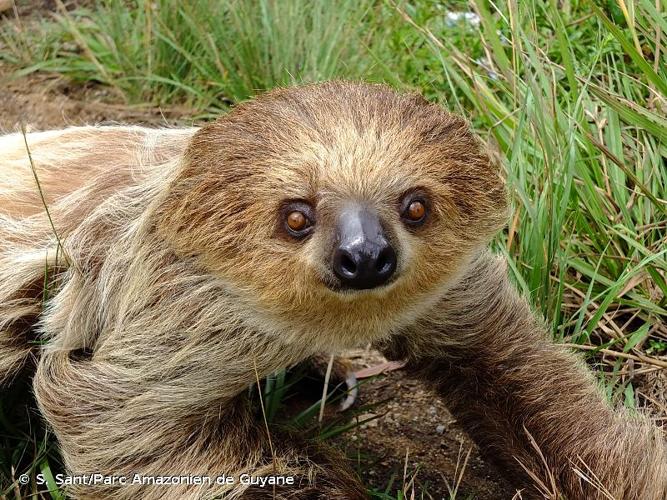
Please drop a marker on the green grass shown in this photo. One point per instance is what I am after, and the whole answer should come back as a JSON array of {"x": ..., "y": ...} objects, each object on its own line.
[
  {"x": 571, "y": 96},
  {"x": 207, "y": 53},
  {"x": 575, "y": 109}
]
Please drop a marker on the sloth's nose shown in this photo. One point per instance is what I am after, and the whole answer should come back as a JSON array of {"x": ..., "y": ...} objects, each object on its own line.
[
  {"x": 363, "y": 267},
  {"x": 363, "y": 258}
]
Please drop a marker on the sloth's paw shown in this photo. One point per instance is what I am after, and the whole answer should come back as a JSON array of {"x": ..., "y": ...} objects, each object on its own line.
[{"x": 341, "y": 379}]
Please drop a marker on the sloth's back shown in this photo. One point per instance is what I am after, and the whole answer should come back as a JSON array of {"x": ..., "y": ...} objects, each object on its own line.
[
  {"x": 101, "y": 159},
  {"x": 80, "y": 171}
]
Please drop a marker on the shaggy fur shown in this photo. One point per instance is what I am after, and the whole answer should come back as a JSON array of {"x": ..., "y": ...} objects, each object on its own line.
[{"x": 177, "y": 286}]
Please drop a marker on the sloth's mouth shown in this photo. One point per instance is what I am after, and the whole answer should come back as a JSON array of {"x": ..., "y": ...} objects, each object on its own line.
[{"x": 335, "y": 285}]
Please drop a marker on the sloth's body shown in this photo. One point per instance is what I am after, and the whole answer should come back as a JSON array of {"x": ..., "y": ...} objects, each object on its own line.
[{"x": 196, "y": 260}]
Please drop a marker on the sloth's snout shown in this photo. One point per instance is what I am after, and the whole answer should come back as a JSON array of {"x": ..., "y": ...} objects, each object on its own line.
[{"x": 362, "y": 258}]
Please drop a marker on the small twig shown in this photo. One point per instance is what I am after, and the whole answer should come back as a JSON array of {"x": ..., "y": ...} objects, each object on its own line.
[
  {"x": 41, "y": 194},
  {"x": 656, "y": 403},
  {"x": 327, "y": 376},
  {"x": 405, "y": 471},
  {"x": 266, "y": 422},
  {"x": 635, "y": 357},
  {"x": 550, "y": 493},
  {"x": 593, "y": 480},
  {"x": 458, "y": 474}
]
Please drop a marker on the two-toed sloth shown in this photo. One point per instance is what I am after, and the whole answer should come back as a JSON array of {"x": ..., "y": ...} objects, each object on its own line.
[{"x": 309, "y": 219}]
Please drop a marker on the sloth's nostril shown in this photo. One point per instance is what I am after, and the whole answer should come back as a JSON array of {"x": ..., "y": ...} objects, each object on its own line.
[
  {"x": 347, "y": 265},
  {"x": 383, "y": 263}
]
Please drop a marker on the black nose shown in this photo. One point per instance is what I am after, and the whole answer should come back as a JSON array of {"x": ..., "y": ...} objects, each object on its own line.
[
  {"x": 364, "y": 268},
  {"x": 363, "y": 258}
]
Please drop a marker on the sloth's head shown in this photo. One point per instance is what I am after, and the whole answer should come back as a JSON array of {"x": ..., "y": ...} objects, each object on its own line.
[{"x": 340, "y": 209}]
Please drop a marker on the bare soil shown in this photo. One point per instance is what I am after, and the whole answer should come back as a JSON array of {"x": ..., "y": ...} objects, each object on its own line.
[
  {"x": 413, "y": 444},
  {"x": 43, "y": 102}
]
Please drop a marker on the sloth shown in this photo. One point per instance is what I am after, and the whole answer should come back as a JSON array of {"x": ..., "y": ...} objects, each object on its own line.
[{"x": 149, "y": 277}]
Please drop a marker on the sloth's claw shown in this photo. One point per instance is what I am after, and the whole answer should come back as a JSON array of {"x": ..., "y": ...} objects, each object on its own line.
[
  {"x": 352, "y": 391},
  {"x": 342, "y": 378}
]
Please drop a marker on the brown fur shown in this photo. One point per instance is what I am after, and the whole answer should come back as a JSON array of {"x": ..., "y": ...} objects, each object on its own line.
[
  {"x": 177, "y": 287},
  {"x": 507, "y": 383}
]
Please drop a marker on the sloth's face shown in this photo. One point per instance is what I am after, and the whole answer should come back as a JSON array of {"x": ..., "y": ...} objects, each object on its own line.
[
  {"x": 343, "y": 210},
  {"x": 362, "y": 244}
]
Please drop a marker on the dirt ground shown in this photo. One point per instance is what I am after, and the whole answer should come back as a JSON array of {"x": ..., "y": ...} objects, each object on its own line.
[{"x": 413, "y": 441}]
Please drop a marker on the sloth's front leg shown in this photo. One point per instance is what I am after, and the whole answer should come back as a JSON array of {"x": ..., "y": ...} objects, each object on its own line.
[
  {"x": 111, "y": 422},
  {"x": 531, "y": 405}
]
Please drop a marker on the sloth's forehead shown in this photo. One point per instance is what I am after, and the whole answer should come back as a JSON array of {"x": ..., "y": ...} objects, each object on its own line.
[
  {"x": 339, "y": 141},
  {"x": 369, "y": 163}
]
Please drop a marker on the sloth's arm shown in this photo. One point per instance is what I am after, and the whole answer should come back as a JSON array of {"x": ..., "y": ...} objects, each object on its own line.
[
  {"x": 506, "y": 382},
  {"x": 109, "y": 424}
]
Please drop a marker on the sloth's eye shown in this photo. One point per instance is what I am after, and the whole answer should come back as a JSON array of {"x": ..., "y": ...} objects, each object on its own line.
[
  {"x": 414, "y": 210},
  {"x": 298, "y": 219}
]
